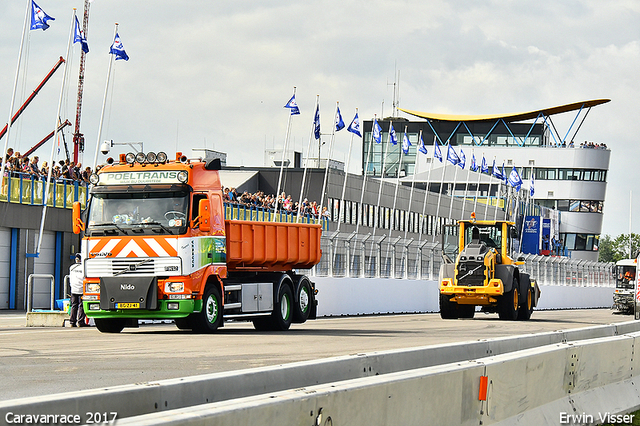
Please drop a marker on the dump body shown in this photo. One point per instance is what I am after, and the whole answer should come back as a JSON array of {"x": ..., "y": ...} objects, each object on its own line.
[{"x": 271, "y": 246}]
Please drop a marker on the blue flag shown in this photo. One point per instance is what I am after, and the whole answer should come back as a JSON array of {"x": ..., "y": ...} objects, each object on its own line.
[
  {"x": 484, "y": 168},
  {"x": 78, "y": 37},
  {"x": 504, "y": 175},
  {"x": 421, "y": 147},
  {"x": 462, "y": 159},
  {"x": 531, "y": 191},
  {"x": 39, "y": 18},
  {"x": 436, "y": 150},
  {"x": 118, "y": 49},
  {"x": 377, "y": 131},
  {"x": 473, "y": 166},
  {"x": 405, "y": 143},
  {"x": 339, "y": 123},
  {"x": 452, "y": 157},
  {"x": 316, "y": 123},
  {"x": 392, "y": 135},
  {"x": 354, "y": 127},
  {"x": 293, "y": 105},
  {"x": 496, "y": 171},
  {"x": 514, "y": 179}
]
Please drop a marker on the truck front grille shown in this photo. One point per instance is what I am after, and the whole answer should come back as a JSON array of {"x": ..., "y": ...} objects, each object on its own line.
[{"x": 133, "y": 266}]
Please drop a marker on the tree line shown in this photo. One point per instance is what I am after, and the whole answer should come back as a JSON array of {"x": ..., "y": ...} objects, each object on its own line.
[{"x": 614, "y": 249}]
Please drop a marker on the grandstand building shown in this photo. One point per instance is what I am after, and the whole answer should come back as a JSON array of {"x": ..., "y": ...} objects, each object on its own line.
[{"x": 570, "y": 177}]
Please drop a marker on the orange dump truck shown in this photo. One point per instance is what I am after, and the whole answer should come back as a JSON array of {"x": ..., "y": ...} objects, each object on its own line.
[{"x": 156, "y": 245}]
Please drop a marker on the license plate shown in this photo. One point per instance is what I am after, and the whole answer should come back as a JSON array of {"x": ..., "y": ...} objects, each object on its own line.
[{"x": 127, "y": 306}]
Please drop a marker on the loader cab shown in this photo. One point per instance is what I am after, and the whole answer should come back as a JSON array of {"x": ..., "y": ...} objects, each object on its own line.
[{"x": 500, "y": 236}]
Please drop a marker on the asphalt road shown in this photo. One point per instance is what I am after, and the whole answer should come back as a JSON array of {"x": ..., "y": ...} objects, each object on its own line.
[{"x": 40, "y": 361}]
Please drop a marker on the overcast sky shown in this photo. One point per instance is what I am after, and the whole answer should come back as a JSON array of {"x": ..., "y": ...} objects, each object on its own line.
[{"x": 216, "y": 74}]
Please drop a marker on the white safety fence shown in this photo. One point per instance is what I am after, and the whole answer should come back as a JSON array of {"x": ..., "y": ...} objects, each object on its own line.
[{"x": 366, "y": 256}]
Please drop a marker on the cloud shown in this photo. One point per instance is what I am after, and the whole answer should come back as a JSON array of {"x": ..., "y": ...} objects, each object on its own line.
[{"x": 221, "y": 72}]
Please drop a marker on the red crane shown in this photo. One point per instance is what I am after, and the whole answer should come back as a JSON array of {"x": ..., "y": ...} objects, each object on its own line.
[
  {"x": 33, "y": 95},
  {"x": 78, "y": 138}
]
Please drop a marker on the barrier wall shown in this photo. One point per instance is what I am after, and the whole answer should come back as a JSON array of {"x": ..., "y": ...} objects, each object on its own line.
[
  {"x": 407, "y": 386},
  {"x": 566, "y": 383},
  {"x": 363, "y": 296}
]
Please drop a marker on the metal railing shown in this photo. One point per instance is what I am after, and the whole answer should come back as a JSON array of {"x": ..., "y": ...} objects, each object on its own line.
[
  {"x": 23, "y": 188},
  {"x": 358, "y": 256},
  {"x": 234, "y": 211}
]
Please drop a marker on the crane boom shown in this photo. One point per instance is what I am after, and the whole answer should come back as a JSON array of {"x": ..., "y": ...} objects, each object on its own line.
[
  {"x": 78, "y": 138},
  {"x": 46, "y": 138},
  {"x": 33, "y": 95}
]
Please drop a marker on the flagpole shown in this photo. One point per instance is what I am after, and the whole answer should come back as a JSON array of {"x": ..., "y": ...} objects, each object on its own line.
[
  {"x": 453, "y": 188},
  {"x": 364, "y": 176},
  {"x": 426, "y": 195},
  {"x": 13, "y": 98},
  {"x": 306, "y": 164},
  {"x": 413, "y": 182},
  {"x": 384, "y": 158},
  {"x": 342, "y": 211},
  {"x": 65, "y": 75},
  {"x": 444, "y": 168},
  {"x": 395, "y": 196},
  {"x": 326, "y": 169},
  {"x": 495, "y": 216},
  {"x": 486, "y": 206},
  {"x": 104, "y": 103},
  {"x": 475, "y": 199},
  {"x": 284, "y": 150},
  {"x": 466, "y": 188},
  {"x": 376, "y": 218}
]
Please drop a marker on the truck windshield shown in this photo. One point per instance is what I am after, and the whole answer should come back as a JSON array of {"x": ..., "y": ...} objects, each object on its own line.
[
  {"x": 491, "y": 235},
  {"x": 136, "y": 213},
  {"x": 625, "y": 276}
]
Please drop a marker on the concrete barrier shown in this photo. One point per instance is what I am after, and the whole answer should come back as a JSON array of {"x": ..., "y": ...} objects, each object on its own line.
[
  {"x": 162, "y": 396},
  {"x": 367, "y": 296},
  {"x": 576, "y": 382}
]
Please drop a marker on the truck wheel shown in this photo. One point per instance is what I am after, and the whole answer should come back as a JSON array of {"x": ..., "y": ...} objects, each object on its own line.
[
  {"x": 466, "y": 311},
  {"x": 527, "y": 308},
  {"x": 508, "y": 303},
  {"x": 262, "y": 324},
  {"x": 448, "y": 309},
  {"x": 281, "y": 316},
  {"x": 302, "y": 304},
  {"x": 183, "y": 323},
  {"x": 114, "y": 325},
  {"x": 210, "y": 318}
]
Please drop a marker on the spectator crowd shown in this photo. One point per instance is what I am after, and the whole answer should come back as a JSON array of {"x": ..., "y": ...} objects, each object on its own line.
[
  {"x": 19, "y": 165},
  {"x": 283, "y": 203}
]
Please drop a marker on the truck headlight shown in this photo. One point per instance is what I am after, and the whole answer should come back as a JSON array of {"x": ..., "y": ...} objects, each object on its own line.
[
  {"x": 92, "y": 288},
  {"x": 173, "y": 287}
]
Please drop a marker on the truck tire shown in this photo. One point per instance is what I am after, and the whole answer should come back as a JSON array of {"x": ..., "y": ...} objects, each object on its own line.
[
  {"x": 183, "y": 323},
  {"x": 524, "y": 314},
  {"x": 466, "y": 311},
  {"x": 448, "y": 309},
  {"x": 282, "y": 310},
  {"x": 508, "y": 303},
  {"x": 210, "y": 318},
  {"x": 302, "y": 301},
  {"x": 110, "y": 325}
]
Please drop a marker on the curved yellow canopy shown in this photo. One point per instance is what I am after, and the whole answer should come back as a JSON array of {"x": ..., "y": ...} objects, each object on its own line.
[{"x": 521, "y": 116}]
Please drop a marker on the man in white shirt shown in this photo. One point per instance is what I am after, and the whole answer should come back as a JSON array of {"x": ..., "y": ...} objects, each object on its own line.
[{"x": 76, "y": 276}]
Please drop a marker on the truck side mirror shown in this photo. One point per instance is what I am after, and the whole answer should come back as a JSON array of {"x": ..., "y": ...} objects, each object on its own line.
[
  {"x": 78, "y": 224},
  {"x": 204, "y": 217}
]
